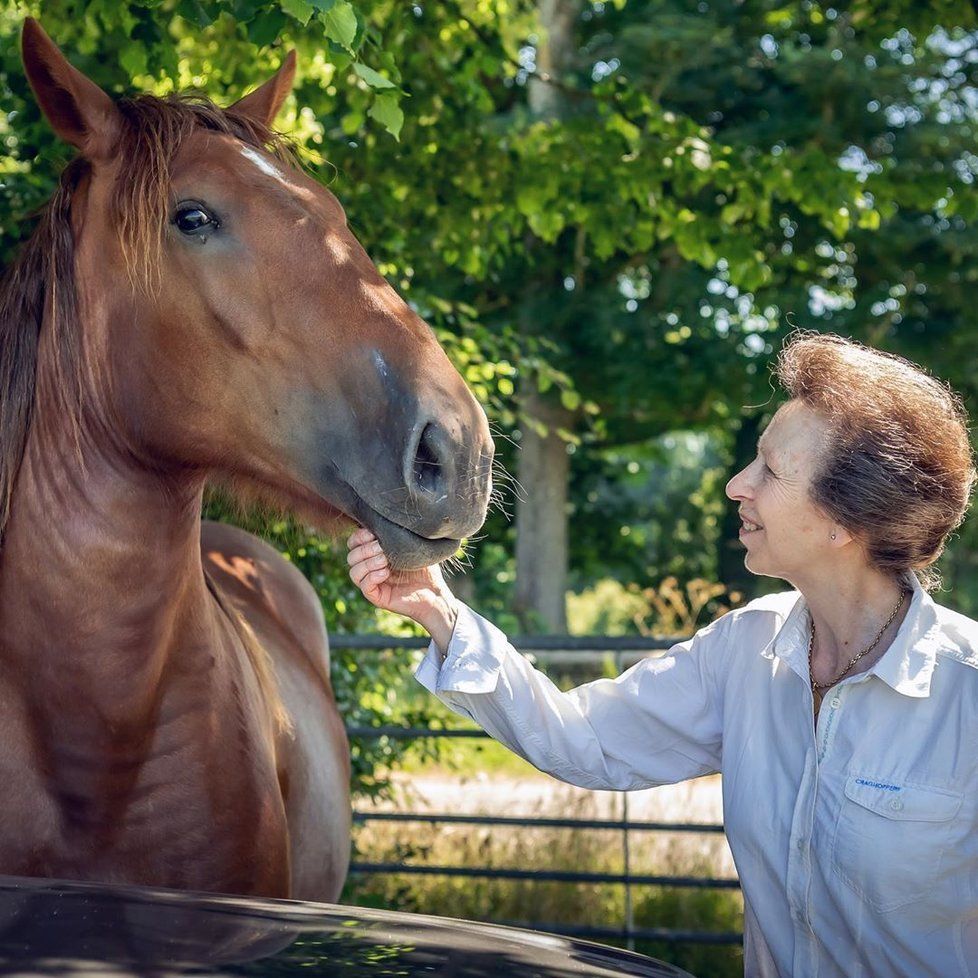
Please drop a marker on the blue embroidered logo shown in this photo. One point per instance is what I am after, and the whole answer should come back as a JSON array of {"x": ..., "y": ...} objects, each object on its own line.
[{"x": 878, "y": 784}]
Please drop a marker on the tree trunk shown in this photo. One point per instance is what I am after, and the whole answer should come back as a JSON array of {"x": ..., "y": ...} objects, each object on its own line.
[
  {"x": 543, "y": 468},
  {"x": 554, "y": 53},
  {"x": 541, "y": 518}
]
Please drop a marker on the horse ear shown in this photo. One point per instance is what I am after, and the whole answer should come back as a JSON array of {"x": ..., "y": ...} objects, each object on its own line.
[
  {"x": 263, "y": 103},
  {"x": 78, "y": 110}
]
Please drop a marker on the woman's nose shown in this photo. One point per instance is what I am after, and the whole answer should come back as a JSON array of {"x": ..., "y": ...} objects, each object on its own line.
[{"x": 739, "y": 486}]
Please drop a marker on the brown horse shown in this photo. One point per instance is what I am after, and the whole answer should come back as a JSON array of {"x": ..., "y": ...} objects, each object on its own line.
[{"x": 193, "y": 305}]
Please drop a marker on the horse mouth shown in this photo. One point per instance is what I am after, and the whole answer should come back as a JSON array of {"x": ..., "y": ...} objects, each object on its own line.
[
  {"x": 329, "y": 502},
  {"x": 405, "y": 549}
]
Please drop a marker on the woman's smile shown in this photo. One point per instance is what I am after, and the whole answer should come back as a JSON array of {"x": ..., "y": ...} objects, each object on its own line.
[{"x": 747, "y": 527}]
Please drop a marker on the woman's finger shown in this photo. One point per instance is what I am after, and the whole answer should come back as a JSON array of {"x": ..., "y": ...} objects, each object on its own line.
[
  {"x": 359, "y": 537},
  {"x": 362, "y": 552},
  {"x": 369, "y": 570},
  {"x": 358, "y": 573},
  {"x": 370, "y": 563}
]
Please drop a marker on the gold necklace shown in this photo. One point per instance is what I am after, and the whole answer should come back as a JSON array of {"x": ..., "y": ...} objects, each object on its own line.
[{"x": 816, "y": 686}]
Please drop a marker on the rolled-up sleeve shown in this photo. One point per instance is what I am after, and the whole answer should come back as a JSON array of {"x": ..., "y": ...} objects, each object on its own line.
[{"x": 657, "y": 723}]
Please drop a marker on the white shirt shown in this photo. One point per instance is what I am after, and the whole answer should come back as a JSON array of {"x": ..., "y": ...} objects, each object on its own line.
[{"x": 856, "y": 842}]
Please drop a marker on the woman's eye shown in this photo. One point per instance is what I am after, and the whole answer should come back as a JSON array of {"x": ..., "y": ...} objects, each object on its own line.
[{"x": 191, "y": 220}]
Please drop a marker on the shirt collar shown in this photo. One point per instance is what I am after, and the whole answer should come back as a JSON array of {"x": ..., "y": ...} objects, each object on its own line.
[
  {"x": 907, "y": 665},
  {"x": 790, "y": 643}
]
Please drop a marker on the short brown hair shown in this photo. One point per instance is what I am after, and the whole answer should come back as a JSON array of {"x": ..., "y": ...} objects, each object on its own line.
[{"x": 898, "y": 471}]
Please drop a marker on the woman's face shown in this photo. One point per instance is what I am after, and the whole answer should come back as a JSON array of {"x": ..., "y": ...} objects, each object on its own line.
[{"x": 785, "y": 535}]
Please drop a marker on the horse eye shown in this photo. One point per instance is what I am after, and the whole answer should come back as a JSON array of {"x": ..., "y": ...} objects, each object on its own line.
[{"x": 190, "y": 220}]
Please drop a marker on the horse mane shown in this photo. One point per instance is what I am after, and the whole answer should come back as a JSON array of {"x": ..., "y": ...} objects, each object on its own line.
[
  {"x": 37, "y": 290},
  {"x": 43, "y": 269}
]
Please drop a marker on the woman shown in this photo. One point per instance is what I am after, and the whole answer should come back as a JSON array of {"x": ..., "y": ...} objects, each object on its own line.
[{"x": 854, "y": 835}]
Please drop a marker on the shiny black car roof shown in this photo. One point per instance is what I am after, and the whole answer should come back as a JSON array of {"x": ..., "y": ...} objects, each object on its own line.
[{"x": 49, "y": 927}]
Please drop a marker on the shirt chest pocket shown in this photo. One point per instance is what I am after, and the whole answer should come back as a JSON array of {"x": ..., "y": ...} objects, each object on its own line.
[{"x": 891, "y": 839}]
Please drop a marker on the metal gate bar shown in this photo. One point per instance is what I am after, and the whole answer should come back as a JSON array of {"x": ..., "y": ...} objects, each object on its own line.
[
  {"x": 546, "y": 875},
  {"x": 549, "y": 823}
]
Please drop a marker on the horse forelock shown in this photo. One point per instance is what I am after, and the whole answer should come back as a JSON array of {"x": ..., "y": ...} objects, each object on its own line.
[{"x": 154, "y": 130}]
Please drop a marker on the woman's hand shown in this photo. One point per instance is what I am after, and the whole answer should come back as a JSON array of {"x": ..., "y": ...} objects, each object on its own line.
[{"x": 421, "y": 594}]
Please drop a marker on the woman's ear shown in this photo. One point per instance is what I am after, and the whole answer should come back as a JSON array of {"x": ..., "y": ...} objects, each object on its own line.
[
  {"x": 78, "y": 110},
  {"x": 839, "y": 536}
]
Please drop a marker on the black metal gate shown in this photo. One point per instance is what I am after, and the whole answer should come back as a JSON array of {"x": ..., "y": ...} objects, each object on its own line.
[{"x": 621, "y": 649}]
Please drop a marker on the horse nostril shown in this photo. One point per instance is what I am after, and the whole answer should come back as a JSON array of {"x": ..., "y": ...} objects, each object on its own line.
[{"x": 427, "y": 464}]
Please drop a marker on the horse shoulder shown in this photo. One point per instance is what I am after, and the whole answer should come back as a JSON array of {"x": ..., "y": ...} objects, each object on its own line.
[{"x": 267, "y": 590}]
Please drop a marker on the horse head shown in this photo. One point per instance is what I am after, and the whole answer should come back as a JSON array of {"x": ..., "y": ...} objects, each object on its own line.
[{"x": 233, "y": 325}]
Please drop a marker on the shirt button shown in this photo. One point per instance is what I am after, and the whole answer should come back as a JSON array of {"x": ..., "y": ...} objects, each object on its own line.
[
  {"x": 896, "y": 805},
  {"x": 835, "y": 702}
]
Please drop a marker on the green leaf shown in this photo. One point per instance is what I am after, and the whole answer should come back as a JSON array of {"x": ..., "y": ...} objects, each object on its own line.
[
  {"x": 341, "y": 23},
  {"x": 570, "y": 399},
  {"x": 133, "y": 58},
  {"x": 301, "y": 10},
  {"x": 373, "y": 78},
  {"x": 245, "y": 10},
  {"x": 388, "y": 113},
  {"x": 266, "y": 27},
  {"x": 732, "y": 213},
  {"x": 195, "y": 12},
  {"x": 870, "y": 220},
  {"x": 351, "y": 122},
  {"x": 546, "y": 224},
  {"x": 529, "y": 199},
  {"x": 840, "y": 222}
]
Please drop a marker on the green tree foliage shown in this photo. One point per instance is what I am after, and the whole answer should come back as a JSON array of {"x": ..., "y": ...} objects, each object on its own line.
[
  {"x": 645, "y": 512},
  {"x": 869, "y": 107},
  {"x": 721, "y": 173}
]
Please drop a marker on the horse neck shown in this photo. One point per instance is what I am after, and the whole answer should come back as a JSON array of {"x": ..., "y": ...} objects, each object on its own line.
[{"x": 100, "y": 576}]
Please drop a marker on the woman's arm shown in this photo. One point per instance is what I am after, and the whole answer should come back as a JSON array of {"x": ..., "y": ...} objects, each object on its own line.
[{"x": 657, "y": 723}]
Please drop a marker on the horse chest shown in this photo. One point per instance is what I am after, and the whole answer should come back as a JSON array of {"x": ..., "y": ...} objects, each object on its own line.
[
  {"x": 211, "y": 815},
  {"x": 198, "y": 807},
  {"x": 206, "y": 835}
]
